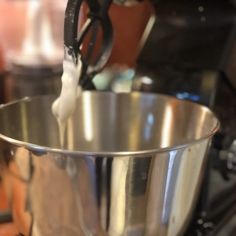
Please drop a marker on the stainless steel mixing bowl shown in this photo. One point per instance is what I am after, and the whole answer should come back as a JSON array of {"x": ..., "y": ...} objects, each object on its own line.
[{"x": 132, "y": 163}]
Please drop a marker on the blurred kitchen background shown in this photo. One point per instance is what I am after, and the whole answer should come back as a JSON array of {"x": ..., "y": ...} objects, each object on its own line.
[
  {"x": 31, "y": 42},
  {"x": 31, "y": 54}
]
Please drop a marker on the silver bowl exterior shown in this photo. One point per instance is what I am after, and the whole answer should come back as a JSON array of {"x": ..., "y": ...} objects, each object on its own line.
[{"x": 131, "y": 164}]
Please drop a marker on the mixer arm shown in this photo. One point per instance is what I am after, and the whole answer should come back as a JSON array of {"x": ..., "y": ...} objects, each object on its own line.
[{"x": 74, "y": 40}]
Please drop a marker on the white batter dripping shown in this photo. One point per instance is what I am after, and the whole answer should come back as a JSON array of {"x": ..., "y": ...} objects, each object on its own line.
[{"x": 64, "y": 106}]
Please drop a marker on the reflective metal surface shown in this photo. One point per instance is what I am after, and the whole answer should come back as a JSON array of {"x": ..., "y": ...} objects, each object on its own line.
[{"x": 132, "y": 163}]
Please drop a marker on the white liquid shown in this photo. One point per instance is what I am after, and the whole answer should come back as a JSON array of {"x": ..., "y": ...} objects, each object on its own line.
[{"x": 64, "y": 106}]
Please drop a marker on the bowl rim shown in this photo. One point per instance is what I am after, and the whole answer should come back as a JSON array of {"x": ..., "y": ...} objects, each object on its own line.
[{"x": 44, "y": 149}]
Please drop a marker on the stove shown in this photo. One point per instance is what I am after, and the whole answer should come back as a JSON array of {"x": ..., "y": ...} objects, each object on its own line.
[
  {"x": 215, "y": 213},
  {"x": 194, "y": 59}
]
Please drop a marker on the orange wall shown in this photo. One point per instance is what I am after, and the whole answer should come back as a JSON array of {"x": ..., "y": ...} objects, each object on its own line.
[{"x": 129, "y": 24}]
